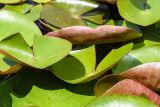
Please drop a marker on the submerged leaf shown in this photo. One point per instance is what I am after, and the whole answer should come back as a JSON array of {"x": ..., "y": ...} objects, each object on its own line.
[{"x": 101, "y": 34}]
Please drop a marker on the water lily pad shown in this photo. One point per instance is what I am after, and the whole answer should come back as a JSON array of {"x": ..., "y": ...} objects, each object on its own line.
[
  {"x": 41, "y": 1},
  {"x": 121, "y": 101},
  {"x": 64, "y": 13},
  {"x": 35, "y": 12},
  {"x": 84, "y": 34},
  {"x": 11, "y": 1},
  {"x": 141, "y": 12},
  {"x": 80, "y": 66},
  {"x": 42, "y": 89},
  {"x": 46, "y": 50},
  {"x": 138, "y": 57},
  {"x": 147, "y": 74},
  {"x": 12, "y": 23},
  {"x": 20, "y": 8},
  {"x": 118, "y": 84}
]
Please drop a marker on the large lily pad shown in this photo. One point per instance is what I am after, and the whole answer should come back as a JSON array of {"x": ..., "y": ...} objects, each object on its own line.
[
  {"x": 64, "y": 13},
  {"x": 84, "y": 35},
  {"x": 80, "y": 65},
  {"x": 42, "y": 89},
  {"x": 141, "y": 12},
  {"x": 121, "y": 101},
  {"x": 12, "y": 22},
  {"x": 46, "y": 50},
  {"x": 137, "y": 57}
]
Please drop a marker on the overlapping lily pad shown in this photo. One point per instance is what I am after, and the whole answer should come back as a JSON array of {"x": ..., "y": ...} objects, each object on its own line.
[
  {"x": 137, "y": 57},
  {"x": 12, "y": 23},
  {"x": 46, "y": 50},
  {"x": 42, "y": 89},
  {"x": 123, "y": 86},
  {"x": 64, "y": 13},
  {"x": 11, "y": 1},
  {"x": 80, "y": 66},
  {"x": 84, "y": 35},
  {"x": 121, "y": 101},
  {"x": 141, "y": 12},
  {"x": 41, "y": 1}
]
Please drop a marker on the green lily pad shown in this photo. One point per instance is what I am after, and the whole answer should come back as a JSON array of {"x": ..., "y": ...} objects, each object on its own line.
[
  {"x": 41, "y": 1},
  {"x": 121, "y": 101},
  {"x": 35, "y": 12},
  {"x": 11, "y": 1},
  {"x": 64, "y": 13},
  {"x": 42, "y": 89},
  {"x": 141, "y": 12},
  {"x": 20, "y": 8},
  {"x": 46, "y": 50},
  {"x": 137, "y": 57},
  {"x": 80, "y": 66},
  {"x": 12, "y": 23}
]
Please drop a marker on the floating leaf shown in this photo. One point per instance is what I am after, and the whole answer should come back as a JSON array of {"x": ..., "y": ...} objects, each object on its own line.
[
  {"x": 121, "y": 101},
  {"x": 141, "y": 12},
  {"x": 12, "y": 23},
  {"x": 64, "y": 13},
  {"x": 11, "y": 1},
  {"x": 46, "y": 50},
  {"x": 83, "y": 34},
  {"x": 147, "y": 74},
  {"x": 35, "y": 12},
  {"x": 41, "y": 1},
  {"x": 20, "y": 8},
  {"x": 42, "y": 89},
  {"x": 137, "y": 57},
  {"x": 80, "y": 65},
  {"x": 117, "y": 84}
]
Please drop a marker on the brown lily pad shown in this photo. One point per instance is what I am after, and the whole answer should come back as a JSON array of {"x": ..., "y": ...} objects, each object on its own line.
[
  {"x": 131, "y": 87},
  {"x": 101, "y": 34},
  {"x": 147, "y": 74}
]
